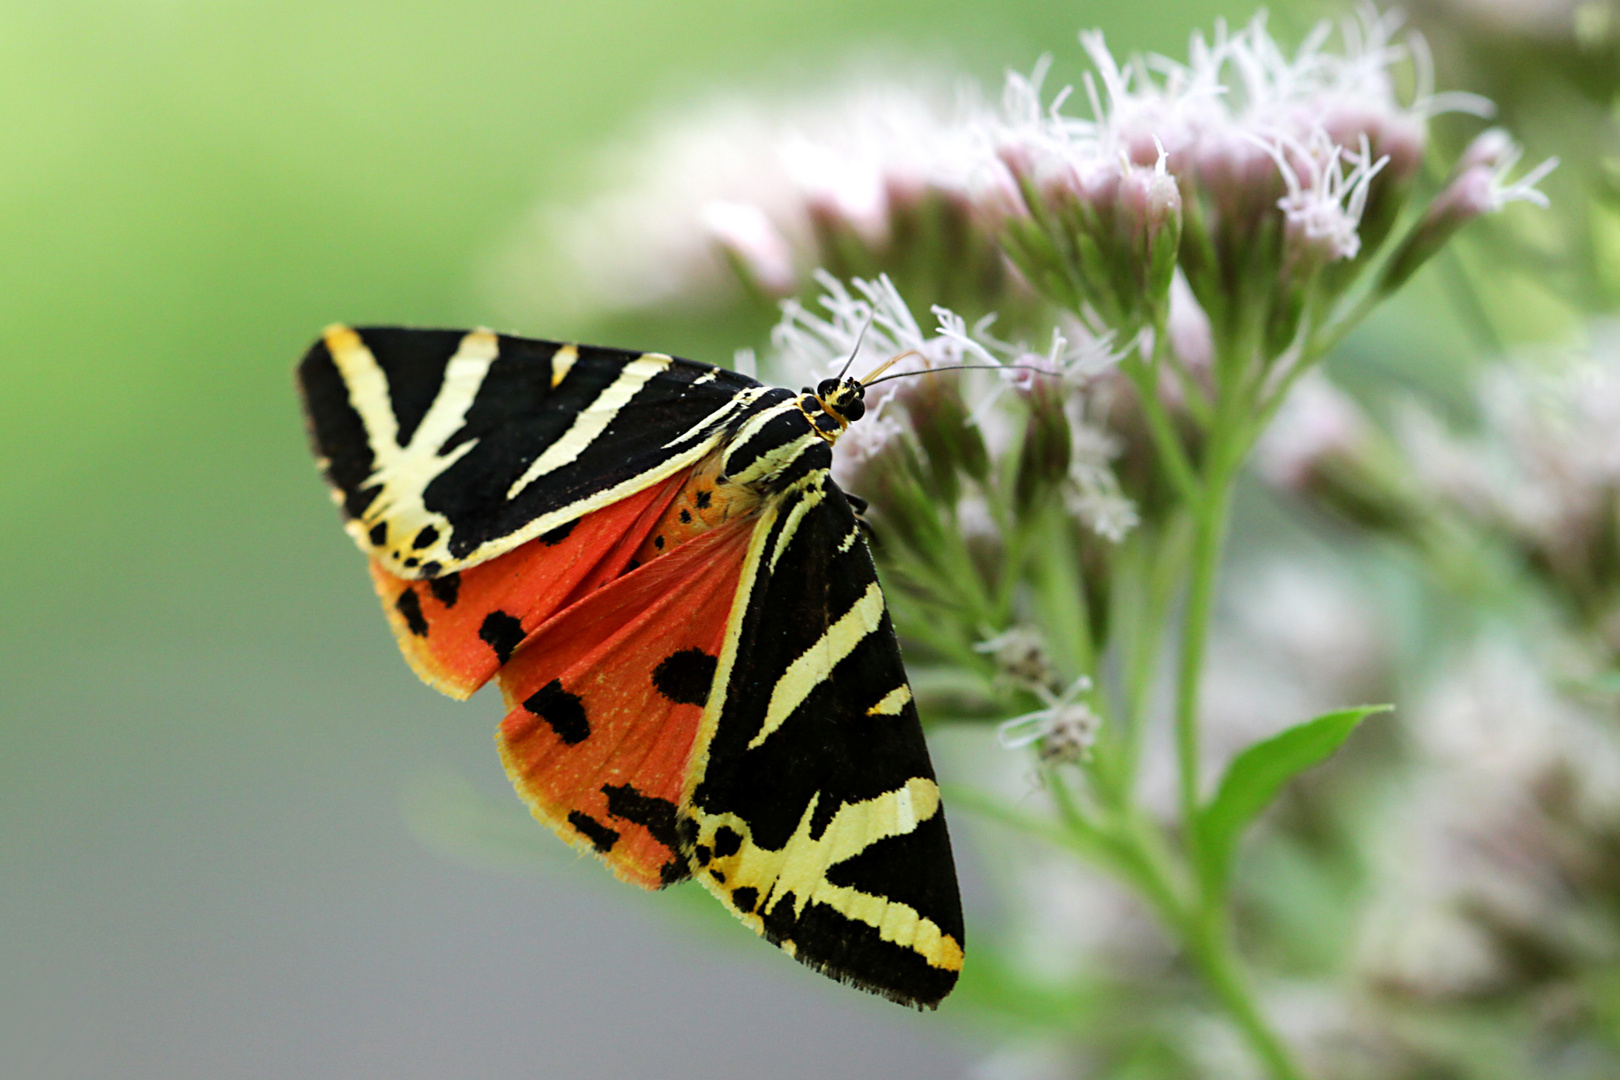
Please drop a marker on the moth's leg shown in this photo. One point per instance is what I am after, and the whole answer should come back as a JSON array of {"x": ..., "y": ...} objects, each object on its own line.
[{"x": 859, "y": 505}]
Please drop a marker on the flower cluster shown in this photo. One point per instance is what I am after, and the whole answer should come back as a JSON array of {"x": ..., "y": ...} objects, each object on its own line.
[
  {"x": 931, "y": 450},
  {"x": 879, "y": 177},
  {"x": 1271, "y": 180},
  {"x": 1538, "y": 480}
]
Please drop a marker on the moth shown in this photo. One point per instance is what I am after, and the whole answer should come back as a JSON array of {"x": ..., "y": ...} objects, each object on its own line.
[{"x": 650, "y": 557}]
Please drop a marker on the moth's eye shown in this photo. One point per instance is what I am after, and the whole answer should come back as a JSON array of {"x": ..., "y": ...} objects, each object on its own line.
[
  {"x": 825, "y": 388},
  {"x": 853, "y": 409}
]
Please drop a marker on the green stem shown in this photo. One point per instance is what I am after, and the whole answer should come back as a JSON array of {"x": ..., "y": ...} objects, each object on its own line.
[
  {"x": 1209, "y": 532},
  {"x": 1160, "y": 427},
  {"x": 1212, "y": 950},
  {"x": 1166, "y": 559}
]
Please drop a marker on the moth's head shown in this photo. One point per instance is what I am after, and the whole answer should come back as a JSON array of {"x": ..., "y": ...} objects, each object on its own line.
[{"x": 844, "y": 399}]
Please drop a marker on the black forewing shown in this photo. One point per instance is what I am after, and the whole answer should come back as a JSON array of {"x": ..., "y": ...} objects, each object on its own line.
[
  {"x": 831, "y": 750},
  {"x": 527, "y": 400}
]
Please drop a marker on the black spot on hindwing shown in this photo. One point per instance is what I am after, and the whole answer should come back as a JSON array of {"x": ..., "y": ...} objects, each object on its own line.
[
  {"x": 685, "y": 677},
  {"x": 425, "y": 537},
  {"x": 658, "y": 817},
  {"x": 501, "y": 632},
  {"x": 559, "y": 534},
  {"x": 378, "y": 534},
  {"x": 564, "y": 712},
  {"x": 655, "y": 815},
  {"x": 745, "y": 897},
  {"x": 601, "y": 837},
  {"x": 447, "y": 589},
  {"x": 409, "y": 605}
]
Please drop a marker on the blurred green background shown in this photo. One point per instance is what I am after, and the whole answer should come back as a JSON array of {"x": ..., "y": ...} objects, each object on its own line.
[{"x": 206, "y": 735}]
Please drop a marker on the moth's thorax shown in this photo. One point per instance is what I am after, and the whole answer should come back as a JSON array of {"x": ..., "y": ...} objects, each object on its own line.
[
  {"x": 777, "y": 442},
  {"x": 706, "y": 501}
]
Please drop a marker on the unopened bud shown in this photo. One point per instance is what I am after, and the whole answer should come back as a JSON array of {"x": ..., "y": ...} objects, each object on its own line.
[
  {"x": 1491, "y": 148},
  {"x": 1477, "y": 187},
  {"x": 1043, "y": 463},
  {"x": 1150, "y": 213}
]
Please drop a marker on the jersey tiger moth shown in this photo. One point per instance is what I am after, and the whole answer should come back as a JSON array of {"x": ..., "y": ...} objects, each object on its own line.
[{"x": 651, "y": 558}]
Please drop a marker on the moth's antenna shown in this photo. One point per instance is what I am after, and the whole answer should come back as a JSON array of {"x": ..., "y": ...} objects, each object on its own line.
[
  {"x": 858, "y": 339},
  {"x": 887, "y": 364},
  {"x": 869, "y": 381}
]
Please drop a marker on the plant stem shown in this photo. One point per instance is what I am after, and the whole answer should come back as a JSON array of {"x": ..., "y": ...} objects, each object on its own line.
[
  {"x": 1211, "y": 946},
  {"x": 1204, "y": 925},
  {"x": 1209, "y": 532}
]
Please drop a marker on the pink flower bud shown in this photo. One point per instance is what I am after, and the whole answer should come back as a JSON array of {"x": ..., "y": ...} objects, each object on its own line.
[
  {"x": 1491, "y": 148},
  {"x": 745, "y": 233}
]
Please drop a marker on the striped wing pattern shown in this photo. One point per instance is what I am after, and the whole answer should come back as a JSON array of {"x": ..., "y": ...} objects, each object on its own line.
[
  {"x": 447, "y": 448},
  {"x": 791, "y": 776},
  {"x": 812, "y": 808}
]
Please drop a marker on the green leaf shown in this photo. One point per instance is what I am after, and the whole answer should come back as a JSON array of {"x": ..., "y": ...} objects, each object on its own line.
[{"x": 1256, "y": 775}]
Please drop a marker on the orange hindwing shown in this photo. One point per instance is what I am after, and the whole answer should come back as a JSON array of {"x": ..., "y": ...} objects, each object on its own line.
[
  {"x": 457, "y": 630},
  {"x": 605, "y": 700}
]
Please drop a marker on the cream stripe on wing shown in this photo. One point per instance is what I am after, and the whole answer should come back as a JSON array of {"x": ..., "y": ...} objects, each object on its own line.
[
  {"x": 402, "y": 472},
  {"x": 799, "y": 868},
  {"x": 816, "y": 663},
  {"x": 892, "y": 702},
  {"x": 463, "y": 378},
  {"x": 368, "y": 390},
  {"x": 814, "y": 492},
  {"x": 592, "y": 420},
  {"x": 562, "y": 362},
  {"x": 734, "y": 403}
]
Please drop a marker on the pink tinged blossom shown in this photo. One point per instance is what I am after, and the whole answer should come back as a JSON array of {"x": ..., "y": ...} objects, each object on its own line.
[
  {"x": 747, "y": 234},
  {"x": 1325, "y": 199},
  {"x": 810, "y": 348},
  {"x": 1478, "y": 186},
  {"x": 839, "y": 187}
]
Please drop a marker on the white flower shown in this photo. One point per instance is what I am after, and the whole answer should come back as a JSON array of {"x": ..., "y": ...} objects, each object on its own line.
[
  {"x": 1546, "y": 464},
  {"x": 1020, "y": 656},
  {"x": 1489, "y": 844},
  {"x": 810, "y": 348},
  {"x": 1323, "y": 206},
  {"x": 874, "y": 317},
  {"x": 1063, "y": 731}
]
